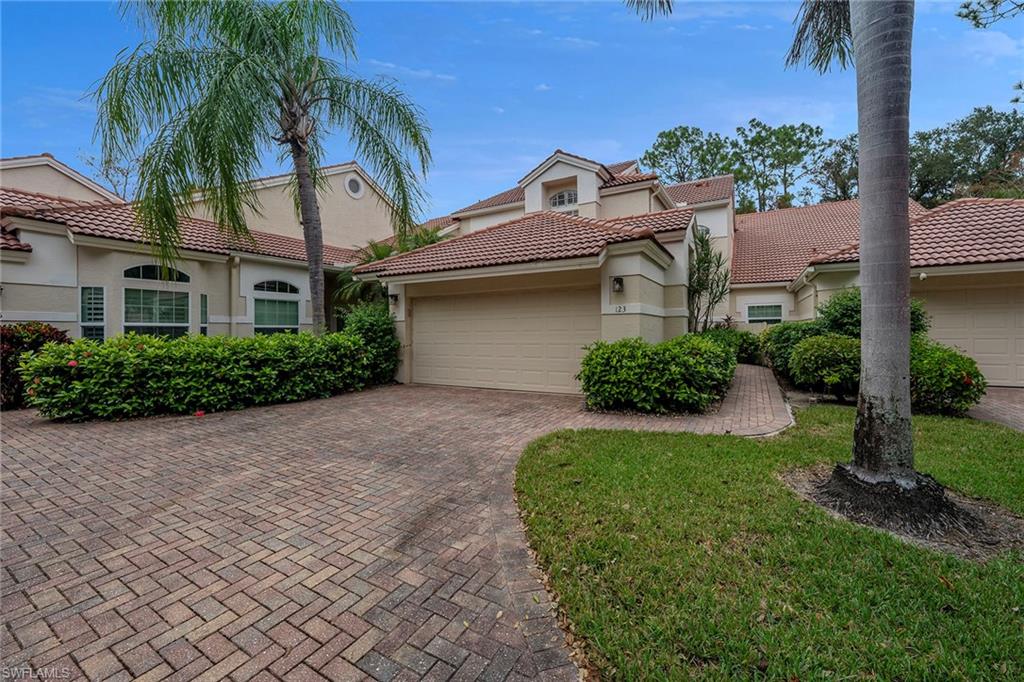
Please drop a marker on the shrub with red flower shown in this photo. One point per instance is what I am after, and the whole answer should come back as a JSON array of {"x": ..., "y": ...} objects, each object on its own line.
[{"x": 16, "y": 339}]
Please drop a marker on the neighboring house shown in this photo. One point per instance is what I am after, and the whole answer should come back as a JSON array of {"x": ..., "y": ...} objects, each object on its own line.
[
  {"x": 577, "y": 251},
  {"x": 580, "y": 251},
  {"x": 353, "y": 209},
  {"x": 74, "y": 257}
]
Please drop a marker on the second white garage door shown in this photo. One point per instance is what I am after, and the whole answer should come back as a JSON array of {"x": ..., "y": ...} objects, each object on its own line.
[
  {"x": 527, "y": 341},
  {"x": 986, "y": 322}
]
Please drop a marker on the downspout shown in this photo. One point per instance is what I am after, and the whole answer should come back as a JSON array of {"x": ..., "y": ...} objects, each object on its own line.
[{"x": 233, "y": 292}]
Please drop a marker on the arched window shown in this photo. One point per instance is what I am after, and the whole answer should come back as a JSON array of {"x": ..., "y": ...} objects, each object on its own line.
[
  {"x": 562, "y": 201},
  {"x": 276, "y": 286},
  {"x": 156, "y": 272}
]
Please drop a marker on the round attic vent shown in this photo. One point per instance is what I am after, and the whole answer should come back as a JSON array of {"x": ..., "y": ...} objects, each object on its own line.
[{"x": 354, "y": 186}]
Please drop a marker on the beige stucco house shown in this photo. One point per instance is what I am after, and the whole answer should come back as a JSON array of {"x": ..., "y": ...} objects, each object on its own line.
[
  {"x": 579, "y": 251},
  {"x": 72, "y": 255}
]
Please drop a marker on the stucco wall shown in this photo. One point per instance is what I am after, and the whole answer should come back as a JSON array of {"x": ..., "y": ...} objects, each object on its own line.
[
  {"x": 626, "y": 203},
  {"x": 47, "y": 180},
  {"x": 346, "y": 221},
  {"x": 739, "y": 299},
  {"x": 479, "y": 222}
]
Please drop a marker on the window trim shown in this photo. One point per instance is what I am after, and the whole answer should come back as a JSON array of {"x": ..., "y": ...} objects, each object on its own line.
[
  {"x": 187, "y": 276},
  {"x": 204, "y": 313},
  {"x": 362, "y": 186},
  {"x": 765, "y": 319},
  {"x": 187, "y": 326},
  {"x": 103, "y": 323},
  {"x": 261, "y": 292}
]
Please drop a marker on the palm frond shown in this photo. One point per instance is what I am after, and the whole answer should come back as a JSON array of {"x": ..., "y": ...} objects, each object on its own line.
[
  {"x": 823, "y": 35},
  {"x": 648, "y": 9}
]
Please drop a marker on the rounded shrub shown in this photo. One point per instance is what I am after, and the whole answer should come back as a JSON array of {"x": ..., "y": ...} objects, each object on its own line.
[
  {"x": 138, "y": 376},
  {"x": 684, "y": 374},
  {"x": 942, "y": 379},
  {"x": 778, "y": 340},
  {"x": 375, "y": 325},
  {"x": 840, "y": 314},
  {"x": 16, "y": 339},
  {"x": 828, "y": 363},
  {"x": 743, "y": 343}
]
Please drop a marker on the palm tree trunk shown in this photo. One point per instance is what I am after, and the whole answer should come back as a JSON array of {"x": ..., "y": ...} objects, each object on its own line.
[
  {"x": 883, "y": 442},
  {"x": 312, "y": 234}
]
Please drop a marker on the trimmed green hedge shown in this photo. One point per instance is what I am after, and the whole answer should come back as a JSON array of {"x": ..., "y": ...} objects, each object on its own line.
[
  {"x": 779, "y": 340},
  {"x": 829, "y": 363},
  {"x": 138, "y": 376},
  {"x": 375, "y": 324},
  {"x": 840, "y": 314},
  {"x": 744, "y": 344},
  {"x": 15, "y": 340},
  {"x": 684, "y": 374},
  {"x": 942, "y": 379}
]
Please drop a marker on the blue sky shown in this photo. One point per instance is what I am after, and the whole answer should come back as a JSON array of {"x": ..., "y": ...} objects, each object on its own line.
[{"x": 503, "y": 84}]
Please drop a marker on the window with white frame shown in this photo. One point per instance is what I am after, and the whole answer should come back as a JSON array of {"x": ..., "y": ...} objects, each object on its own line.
[
  {"x": 204, "y": 314},
  {"x": 276, "y": 286},
  {"x": 564, "y": 201},
  {"x": 769, "y": 313},
  {"x": 91, "y": 318},
  {"x": 276, "y": 316},
  {"x": 151, "y": 311}
]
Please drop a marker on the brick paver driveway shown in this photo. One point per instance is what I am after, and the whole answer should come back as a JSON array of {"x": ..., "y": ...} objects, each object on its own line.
[
  {"x": 371, "y": 534},
  {"x": 1002, "y": 405}
]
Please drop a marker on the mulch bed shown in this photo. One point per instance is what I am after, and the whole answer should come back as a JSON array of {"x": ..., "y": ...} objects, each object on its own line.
[{"x": 981, "y": 531}]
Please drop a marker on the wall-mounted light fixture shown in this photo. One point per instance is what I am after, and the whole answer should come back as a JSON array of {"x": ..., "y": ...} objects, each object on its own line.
[
  {"x": 618, "y": 285},
  {"x": 393, "y": 298}
]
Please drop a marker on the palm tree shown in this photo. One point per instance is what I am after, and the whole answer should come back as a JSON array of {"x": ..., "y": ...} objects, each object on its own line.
[
  {"x": 215, "y": 84},
  {"x": 348, "y": 290},
  {"x": 877, "y": 37}
]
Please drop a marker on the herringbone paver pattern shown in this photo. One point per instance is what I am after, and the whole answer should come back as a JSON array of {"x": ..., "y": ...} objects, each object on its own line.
[{"x": 368, "y": 536}]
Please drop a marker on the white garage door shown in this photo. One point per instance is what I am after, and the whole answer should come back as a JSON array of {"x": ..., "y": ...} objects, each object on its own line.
[
  {"x": 527, "y": 341},
  {"x": 987, "y": 323}
]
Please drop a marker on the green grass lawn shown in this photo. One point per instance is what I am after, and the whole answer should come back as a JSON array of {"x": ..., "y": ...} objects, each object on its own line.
[{"x": 678, "y": 556}]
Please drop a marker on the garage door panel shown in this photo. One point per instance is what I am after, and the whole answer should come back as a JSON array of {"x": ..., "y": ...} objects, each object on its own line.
[
  {"x": 524, "y": 340},
  {"x": 987, "y": 323}
]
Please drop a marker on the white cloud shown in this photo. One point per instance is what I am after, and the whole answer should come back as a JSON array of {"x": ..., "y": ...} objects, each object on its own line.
[
  {"x": 577, "y": 42},
  {"x": 60, "y": 98},
  {"x": 542, "y": 87},
  {"x": 987, "y": 46},
  {"x": 498, "y": 110},
  {"x": 411, "y": 72}
]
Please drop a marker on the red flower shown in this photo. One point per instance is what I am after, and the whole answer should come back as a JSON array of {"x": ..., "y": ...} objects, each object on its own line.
[
  {"x": 72, "y": 363},
  {"x": 35, "y": 380},
  {"x": 968, "y": 381},
  {"x": 31, "y": 391},
  {"x": 200, "y": 413}
]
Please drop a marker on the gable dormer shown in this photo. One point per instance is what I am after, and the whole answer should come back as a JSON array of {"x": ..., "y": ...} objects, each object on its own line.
[{"x": 565, "y": 182}]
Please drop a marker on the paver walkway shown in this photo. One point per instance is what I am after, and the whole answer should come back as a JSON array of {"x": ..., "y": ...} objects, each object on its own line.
[
  {"x": 1002, "y": 405},
  {"x": 367, "y": 535}
]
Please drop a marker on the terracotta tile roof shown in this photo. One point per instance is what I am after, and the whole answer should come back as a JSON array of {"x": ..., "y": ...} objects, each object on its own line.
[
  {"x": 775, "y": 246},
  {"x": 438, "y": 223},
  {"x": 620, "y": 167},
  {"x": 37, "y": 200},
  {"x": 700, "y": 191},
  {"x": 118, "y": 221},
  {"x": 659, "y": 221},
  {"x": 509, "y": 196},
  {"x": 957, "y": 233},
  {"x": 629, "y": 178},
  {"x": 9, "y": 240},
  {"x": 541, "y": 236}
]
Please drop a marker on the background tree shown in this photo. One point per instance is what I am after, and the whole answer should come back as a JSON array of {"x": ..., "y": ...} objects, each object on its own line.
[
  {"x": 977, "y": 155},
  {"x": 771, "y": 160},
  {"x": 833, "y": 169},
  {"x": 687, "y": 153},
  {"x": 120, "y": 175},
  {"x": 709, "y": 279},
  {"x": 215, "y": 84}
]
